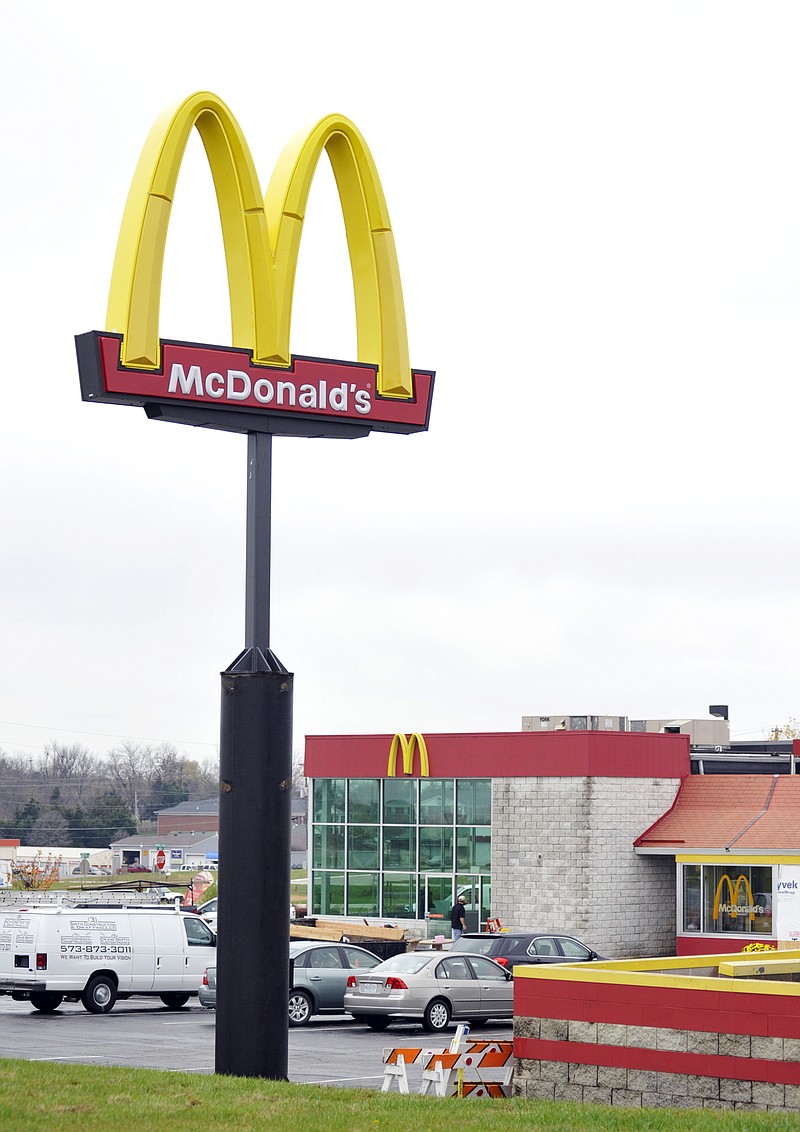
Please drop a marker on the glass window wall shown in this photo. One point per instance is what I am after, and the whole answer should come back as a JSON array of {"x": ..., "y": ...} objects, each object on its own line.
[
  {"x": 436, "y": 801},
  {"x": 436, "y": 848},
  {"x": 328, "y": 893},
  {"x": 329, "y": 800},
  {"x": 376, "y": 843},
  {"x": 363, "y": 796},
  {"x": 362, "y": 894},
  {"x": 362, "y": 847},
  {"x": 399, "y": 847},
  {"x": 473, "y": 801},
  {"x": 399, "y": 895},
  {"x": 328, "y": 851},
  {"x": 400, "y": 801}
]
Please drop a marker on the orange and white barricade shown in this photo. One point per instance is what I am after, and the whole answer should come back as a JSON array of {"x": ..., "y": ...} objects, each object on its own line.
[{"x": 472, "y": 1069}]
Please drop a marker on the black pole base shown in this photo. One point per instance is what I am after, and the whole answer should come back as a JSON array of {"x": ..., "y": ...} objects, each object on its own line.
[{"x": 252, "y": 1032}]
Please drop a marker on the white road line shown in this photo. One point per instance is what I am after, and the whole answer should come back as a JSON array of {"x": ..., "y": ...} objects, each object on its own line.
[{"x": 333, "y": 1080}]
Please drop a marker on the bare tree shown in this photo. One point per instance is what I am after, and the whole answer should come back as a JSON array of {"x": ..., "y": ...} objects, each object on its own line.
[
  {"x": 50, "y": 828},
  {"x": 788, "y": 730},
  {"x": 71, "y": 764},
  {"x": 131, "y": 766}
]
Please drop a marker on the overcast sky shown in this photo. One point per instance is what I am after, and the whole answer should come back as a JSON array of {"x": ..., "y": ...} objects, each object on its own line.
[{"x": 597, "y": 217}]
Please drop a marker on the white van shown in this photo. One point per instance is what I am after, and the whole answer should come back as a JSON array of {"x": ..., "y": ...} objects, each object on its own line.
[{"x": 95, "y": 955}]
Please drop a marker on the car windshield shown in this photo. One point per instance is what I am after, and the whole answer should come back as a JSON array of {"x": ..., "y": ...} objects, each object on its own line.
[
  {"x": 406, "y": 964},
  {"x": 477, "y": 946}
]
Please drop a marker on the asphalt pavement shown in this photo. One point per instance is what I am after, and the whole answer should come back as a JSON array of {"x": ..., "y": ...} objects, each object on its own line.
[{"x": 141, "y": 1033}]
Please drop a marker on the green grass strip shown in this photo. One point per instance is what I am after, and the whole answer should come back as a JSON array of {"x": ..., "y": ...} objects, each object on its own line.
[{"x": 42, "y": 1096}]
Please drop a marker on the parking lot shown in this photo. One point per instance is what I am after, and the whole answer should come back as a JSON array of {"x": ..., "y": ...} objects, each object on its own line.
[{"x": 141, "y": 1033}]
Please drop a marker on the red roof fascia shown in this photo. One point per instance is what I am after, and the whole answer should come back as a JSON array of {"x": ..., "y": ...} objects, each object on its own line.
[{"x": 511, "y": 754}]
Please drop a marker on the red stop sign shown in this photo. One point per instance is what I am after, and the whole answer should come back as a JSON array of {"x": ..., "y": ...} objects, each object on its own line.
[{"x": 161, "y": 859}]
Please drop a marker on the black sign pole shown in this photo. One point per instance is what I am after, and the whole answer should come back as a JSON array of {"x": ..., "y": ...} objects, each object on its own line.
[{"x": 252, "y": 1035}]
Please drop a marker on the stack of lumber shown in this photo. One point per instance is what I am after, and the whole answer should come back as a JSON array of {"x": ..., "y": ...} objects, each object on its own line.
[{"x": 337, "y": 930}]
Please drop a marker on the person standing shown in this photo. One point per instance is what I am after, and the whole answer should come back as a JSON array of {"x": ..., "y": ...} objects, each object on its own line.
[{"x": 458, "y": 920}]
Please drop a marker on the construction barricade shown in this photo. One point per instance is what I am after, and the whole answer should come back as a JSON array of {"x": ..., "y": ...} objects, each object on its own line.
[{"x": 466, "y": 1069}]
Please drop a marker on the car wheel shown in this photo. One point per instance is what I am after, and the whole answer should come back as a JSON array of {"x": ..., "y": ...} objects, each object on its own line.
[
  {"x": 46, "y": 1001},
  {"x": 376, "y": 1021},
  {"x": 436, "y": 1016},
  {"x": 174, "y": 1000},
  {"x": 300, "y": 1008},
  {"x": 100, "y": 994}
]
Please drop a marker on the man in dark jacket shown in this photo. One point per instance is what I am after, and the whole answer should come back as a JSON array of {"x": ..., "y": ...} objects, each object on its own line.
[{"x": 457, "y": 919}]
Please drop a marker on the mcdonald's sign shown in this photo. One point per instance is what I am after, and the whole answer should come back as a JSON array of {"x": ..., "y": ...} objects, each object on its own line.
[
  {"x": 406, "y": 746},
  {"x": 733, "y": 907},
  {"x": 256, "y": 384}
]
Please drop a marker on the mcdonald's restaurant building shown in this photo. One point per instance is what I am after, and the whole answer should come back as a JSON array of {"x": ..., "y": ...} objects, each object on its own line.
[{"x": 607, "y": 836}]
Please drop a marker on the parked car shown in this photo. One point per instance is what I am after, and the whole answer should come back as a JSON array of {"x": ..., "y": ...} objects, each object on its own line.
[
  {"x": 321, "y": 971},
  {"x": 90, "y": 871},
  {"x": 508, "y": 948},
  {"x": 207, "y": 991},
  {"x": 132, "y": 869},
  {"x": 432, "y": 988},
  {"x": 208, "y": 910}
]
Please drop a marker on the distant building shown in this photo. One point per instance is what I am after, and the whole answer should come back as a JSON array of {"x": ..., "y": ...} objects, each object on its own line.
[
  {"x": 180, "y": 849},
  {"x": 203, "y": 817},
  {"x": 714, "y": 732},
  {"x": 189, "y": 817}
]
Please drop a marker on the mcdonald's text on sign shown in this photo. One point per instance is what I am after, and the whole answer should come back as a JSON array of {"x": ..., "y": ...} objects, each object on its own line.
[
  {"x": 257, "y": 384},
  {"x": 307, "y": 398},
  {"x": 734, "y": 908}
]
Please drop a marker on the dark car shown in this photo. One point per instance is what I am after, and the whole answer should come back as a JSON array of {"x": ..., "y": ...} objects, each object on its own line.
[{"x": 508, "y": 948}]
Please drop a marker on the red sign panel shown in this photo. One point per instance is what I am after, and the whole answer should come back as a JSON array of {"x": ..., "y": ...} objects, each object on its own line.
[
  {"x": 219, "y": 387},
  {"x": 161, "y": 859}
]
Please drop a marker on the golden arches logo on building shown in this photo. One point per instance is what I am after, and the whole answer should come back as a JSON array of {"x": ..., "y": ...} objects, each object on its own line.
[
  {"x": 261, "y": 238},
  {"x": 733, "y": 907},
  {"x": 407, "y": 746}
]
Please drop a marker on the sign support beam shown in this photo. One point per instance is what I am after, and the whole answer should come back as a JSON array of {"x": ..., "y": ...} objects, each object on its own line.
[
  {"x": 252, "y": 1031},
  {"x": 258, "y": 555}
]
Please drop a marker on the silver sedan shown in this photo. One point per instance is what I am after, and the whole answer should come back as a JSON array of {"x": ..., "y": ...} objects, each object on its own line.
[{"x": 431, "y": 988}]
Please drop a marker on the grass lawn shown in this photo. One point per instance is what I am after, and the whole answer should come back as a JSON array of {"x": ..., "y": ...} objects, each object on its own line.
[{"x": 42, "y": 1096}]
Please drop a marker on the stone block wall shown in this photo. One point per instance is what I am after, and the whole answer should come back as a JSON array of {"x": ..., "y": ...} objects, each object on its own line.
[
  {"x": 658, "y": 1046},
  {"x": 563, "y": 860}
]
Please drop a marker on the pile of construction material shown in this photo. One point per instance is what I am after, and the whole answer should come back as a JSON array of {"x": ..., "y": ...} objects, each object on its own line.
[{"x": 384, "y": 940}]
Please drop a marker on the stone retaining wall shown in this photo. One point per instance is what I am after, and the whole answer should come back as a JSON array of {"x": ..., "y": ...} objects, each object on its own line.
[{"x": 621, "y": 1038}]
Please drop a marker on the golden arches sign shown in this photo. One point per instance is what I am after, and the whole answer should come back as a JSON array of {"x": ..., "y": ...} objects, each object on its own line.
[
  {"x": 261, "y": 237},
  {"x": 733, "y": 894},
  {"x": 406, "y": 746}
]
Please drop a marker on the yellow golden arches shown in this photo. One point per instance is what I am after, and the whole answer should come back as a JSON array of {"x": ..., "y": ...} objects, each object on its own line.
[
  {"x": 261, "y": 239},
  {"x": 733, "y": 894},
  {"x": 400, "y": 742}
]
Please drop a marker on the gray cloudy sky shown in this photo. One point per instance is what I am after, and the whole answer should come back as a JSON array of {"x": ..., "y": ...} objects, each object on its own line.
[{"x": 597, "y": 215}]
